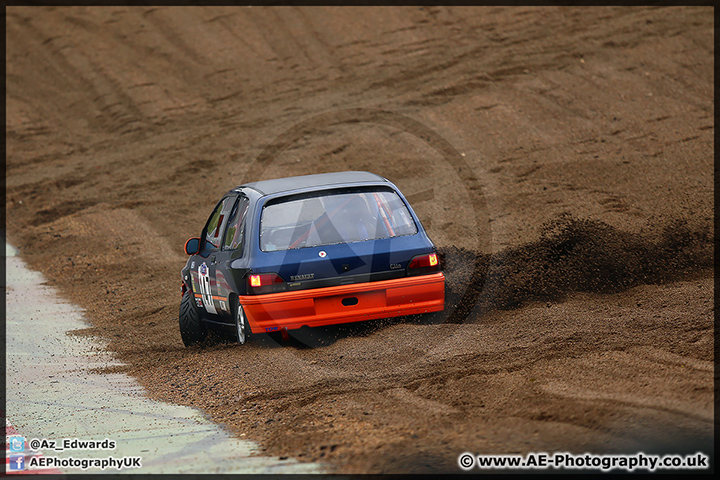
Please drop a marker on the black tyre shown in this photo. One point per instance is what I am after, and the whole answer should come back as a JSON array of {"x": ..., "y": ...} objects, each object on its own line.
[
  {"x": 192, "y": 330},
  {"x": 242, "y": 329}
]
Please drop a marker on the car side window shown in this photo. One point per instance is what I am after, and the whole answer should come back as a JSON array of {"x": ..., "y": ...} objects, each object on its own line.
[
  {"x": 216, "y": 224},
  {"x": 235, "y": 233}
]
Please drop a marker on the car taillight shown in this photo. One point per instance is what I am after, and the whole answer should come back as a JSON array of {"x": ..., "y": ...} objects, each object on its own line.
[
  {"x": 265, "y": 283},
  {"x": 424, "y": 264}
]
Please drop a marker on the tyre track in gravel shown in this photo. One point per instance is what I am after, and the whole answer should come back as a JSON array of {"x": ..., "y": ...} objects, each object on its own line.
[{"x": 80, "y": 73}]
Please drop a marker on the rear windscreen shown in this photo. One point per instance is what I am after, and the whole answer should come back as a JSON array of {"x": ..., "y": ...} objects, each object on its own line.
[{"x": 331, "y": 218}]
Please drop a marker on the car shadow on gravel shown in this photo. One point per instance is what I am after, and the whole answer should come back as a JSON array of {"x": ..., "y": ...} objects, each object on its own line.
[{"x": 308, "y": 338}]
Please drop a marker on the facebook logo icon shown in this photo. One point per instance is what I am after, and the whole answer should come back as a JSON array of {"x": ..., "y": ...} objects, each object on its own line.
[{"x": 16, "y": 462}]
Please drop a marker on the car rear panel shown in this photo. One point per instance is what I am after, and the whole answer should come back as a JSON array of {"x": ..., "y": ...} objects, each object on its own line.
[
  {"x": 333, "y": 265},
  {"x": 345, "y": 303},
  {"x": 342, "y": 282}
]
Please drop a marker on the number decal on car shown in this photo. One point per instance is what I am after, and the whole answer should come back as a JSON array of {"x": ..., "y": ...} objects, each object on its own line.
[{"x": 204, "y": 281}]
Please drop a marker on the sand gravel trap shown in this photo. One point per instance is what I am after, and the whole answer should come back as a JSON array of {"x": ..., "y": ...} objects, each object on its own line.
[{"x": 565, "y": 170}]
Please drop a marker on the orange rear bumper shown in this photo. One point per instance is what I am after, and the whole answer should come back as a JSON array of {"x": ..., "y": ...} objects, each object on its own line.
[{"x": 345, "y": 303}]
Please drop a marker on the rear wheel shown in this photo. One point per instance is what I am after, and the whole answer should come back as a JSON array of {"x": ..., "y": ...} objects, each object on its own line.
[
  {"x": 192, "y": 329},
  {"x": 242, "y": 330}
]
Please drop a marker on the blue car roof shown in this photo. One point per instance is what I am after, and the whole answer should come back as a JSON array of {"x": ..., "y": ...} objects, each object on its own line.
[{"x": 268, "y": 187}]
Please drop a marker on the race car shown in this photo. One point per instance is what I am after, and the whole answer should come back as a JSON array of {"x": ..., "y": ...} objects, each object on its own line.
[{"x": 308, "y": 251}]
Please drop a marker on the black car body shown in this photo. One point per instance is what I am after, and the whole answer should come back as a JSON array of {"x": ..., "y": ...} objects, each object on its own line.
[{"x": 308, "y": 251}]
